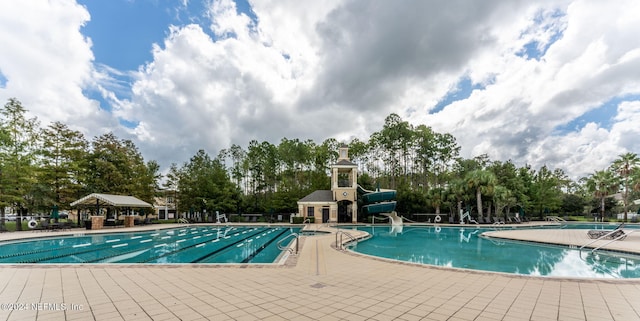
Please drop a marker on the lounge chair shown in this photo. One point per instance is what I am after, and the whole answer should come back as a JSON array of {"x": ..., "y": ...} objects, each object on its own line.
[
  {"x": 44, "y": 226},
  {"x": 616, "y": 233}
]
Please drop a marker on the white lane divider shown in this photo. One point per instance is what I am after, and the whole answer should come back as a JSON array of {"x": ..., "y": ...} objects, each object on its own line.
[
  {"x": 111, "y": 241},
  {"x": 82, "y": 245},
  {"x": 119, "y": 245}
]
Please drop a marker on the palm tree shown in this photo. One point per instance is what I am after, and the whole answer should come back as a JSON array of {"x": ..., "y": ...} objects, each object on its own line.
[
  {"x": 503, "y": 198},
  {"x": 482, "y": 182},
  {"x": 456, "y": 193},
  {"x": 602, "y": 184},
  {"x": 624, "y": 166}
]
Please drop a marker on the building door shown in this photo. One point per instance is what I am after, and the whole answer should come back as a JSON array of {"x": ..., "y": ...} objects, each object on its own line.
[
  {"x": 344, "y": 211},
  {"x": 325, "y": 214}
]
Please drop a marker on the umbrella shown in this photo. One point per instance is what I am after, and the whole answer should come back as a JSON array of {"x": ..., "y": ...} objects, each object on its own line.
[{"x": 54, "y": 212}]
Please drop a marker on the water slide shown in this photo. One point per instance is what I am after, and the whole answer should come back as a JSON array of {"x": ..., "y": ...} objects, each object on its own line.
[{"x": 375, "y": 202}]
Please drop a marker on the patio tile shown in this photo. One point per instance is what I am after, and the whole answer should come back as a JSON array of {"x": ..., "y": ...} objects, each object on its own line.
[{"x": 326, "y": 284}]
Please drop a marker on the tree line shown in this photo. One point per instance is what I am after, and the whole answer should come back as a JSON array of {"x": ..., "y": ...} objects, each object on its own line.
[
  {"x": 42, "y": 167},
  {"x": 54, "y": 165}
]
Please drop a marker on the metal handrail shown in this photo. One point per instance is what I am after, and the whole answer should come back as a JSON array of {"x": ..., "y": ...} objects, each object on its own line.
[
  {"x": 340, "y": 245},
  {"x": 623, "y": 235},
  {"x": 602, "y": 237},
  {"x": 373, "y": 219},
  {"x": 288, "y": 248}
]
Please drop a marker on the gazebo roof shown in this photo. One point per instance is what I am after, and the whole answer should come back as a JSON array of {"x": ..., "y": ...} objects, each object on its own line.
[{"x": 111, "y": 200}]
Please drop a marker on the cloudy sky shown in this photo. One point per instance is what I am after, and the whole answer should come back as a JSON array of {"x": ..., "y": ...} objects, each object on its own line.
[{"x": 538, "y": 82}]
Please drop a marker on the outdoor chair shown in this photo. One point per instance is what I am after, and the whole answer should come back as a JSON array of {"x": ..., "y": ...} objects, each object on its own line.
[{"x": 44, "y": 226}]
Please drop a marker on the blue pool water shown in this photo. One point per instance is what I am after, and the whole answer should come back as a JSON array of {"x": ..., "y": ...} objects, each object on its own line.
[
  {"x": 463, "y": 248},
  {"x": 181, "y": 245}
]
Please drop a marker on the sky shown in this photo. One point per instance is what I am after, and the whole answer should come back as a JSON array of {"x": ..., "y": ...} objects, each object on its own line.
[{"x": 553, "y": 83}]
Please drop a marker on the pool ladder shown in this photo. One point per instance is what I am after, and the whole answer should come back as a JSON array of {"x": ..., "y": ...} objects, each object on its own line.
[
  {"x": 340, "y": 234},
  {"x": 283, "y": 247}
]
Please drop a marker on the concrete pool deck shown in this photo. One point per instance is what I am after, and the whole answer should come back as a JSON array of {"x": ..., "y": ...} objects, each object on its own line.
[{"x": 323, "y": 284}]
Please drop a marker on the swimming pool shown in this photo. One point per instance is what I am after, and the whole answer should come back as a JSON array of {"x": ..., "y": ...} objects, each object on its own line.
[
  {"x": 463, "y": 248},
  {"x": 205, "y": 244}
]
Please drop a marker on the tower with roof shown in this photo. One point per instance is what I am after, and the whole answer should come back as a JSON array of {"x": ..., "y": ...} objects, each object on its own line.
[{"x": 340, "y": 203}]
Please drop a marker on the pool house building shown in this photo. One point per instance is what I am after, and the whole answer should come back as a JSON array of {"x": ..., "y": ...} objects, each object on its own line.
[{"x": 339, "y": 204}]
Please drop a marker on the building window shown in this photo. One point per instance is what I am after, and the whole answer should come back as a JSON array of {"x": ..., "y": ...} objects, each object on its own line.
[
  {"x": 310, "y": 211},
  {"x": 344, "y": 180}
]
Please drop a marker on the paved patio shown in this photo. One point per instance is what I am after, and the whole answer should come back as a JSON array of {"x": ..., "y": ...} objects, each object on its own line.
[{"x": 324, "y": 284}]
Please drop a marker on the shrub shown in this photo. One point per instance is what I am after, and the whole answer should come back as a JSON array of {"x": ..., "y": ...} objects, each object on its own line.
[
  {"x": 300, "y": 220},
  {"x": 236, "y": 219}
]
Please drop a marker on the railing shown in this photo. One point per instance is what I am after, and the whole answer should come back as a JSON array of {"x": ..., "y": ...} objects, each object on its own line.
[
  {"x": 183, "y": 221},
  {"x": 410, "y": 221},
  {"x": 282, "y": 247},
  {"x": 328, "y": 223},
  {"x": 605, "y": 236},
  {"x": 340, "y": 234},
  {"x": 373, "y": 219},
  {"x": 621, "y": 236}
]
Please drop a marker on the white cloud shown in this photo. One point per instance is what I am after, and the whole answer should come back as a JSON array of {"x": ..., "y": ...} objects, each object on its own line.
[
  {"x": 338, "y": 68},
  {"x": 48, "y": 62},
  {"x": 515, "y": 117}
]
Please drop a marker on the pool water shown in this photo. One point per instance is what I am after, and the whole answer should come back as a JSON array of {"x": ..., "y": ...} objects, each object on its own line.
[
  {"x": 463, "y": 248},
  {"x": 180, "y": 245}
]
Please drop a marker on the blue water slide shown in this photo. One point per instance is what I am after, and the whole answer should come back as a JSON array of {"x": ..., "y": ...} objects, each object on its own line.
[{"x": 379, "y": 201}]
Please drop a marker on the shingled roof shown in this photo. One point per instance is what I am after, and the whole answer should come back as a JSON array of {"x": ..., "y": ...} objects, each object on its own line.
[
  {"x": 345, "y": 162},
  {"x": 318, "y": 196}
]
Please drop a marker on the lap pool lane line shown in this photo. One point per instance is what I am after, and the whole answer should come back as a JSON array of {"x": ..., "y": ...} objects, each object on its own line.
[
  {"x": 58, "y": 254},
  {"x": 182, "y": 239},
  {"x": 189, "y": 237},
  {"x": 112, "y": 248},
  {"x": 218, "y": 245},
  {"x": 89, "y": 253},
  {"x": 35, "y": 254},
  {"x": 257, "y": 245}
]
